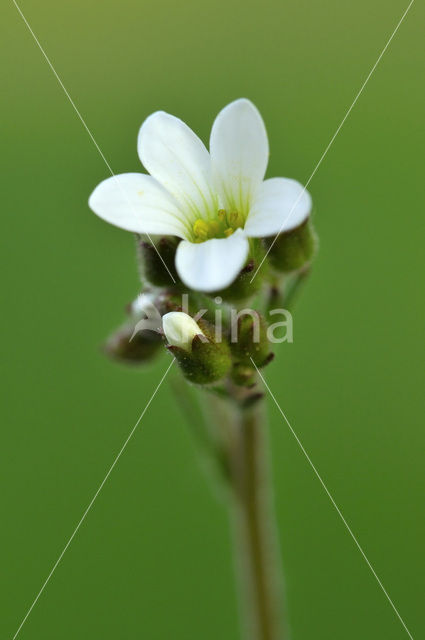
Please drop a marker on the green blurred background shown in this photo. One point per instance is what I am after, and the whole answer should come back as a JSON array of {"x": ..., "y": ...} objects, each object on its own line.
[{"x": 153, "y": 558}]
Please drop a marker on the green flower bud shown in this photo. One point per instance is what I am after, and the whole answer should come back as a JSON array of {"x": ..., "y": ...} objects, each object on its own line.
[
  {"x": 293, "y": 249},
  {"x": 243, "y": 375},
  {"x": 137, "y": 340},
  {"x": 141, "y": 348},
  {"x": 157, "y": 260},
  {"x": 245, "y": 286},
  {"x": 201, "y": 360},
  {"x": 249, "y": 342}
]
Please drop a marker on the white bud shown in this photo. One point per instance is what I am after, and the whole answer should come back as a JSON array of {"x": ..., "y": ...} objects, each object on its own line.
[
  {"x": 180, "y": 329},
  {"x": 143, "y": 302}
]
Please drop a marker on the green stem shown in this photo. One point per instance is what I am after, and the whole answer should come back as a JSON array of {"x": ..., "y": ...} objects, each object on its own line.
[
  {"x": 254, "y": 524},
  {"x": 206, "y": 438},
  {"x": 285, "y": 290},
  {"x": 294, "y": 287}
]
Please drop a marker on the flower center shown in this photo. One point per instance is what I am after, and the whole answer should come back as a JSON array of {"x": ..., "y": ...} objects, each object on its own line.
[{"x": 222, "y": 227}]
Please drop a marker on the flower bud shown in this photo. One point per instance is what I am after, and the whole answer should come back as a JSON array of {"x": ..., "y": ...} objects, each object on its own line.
[
  {"x": 138, "y": 340},
  {"x": 242, "y": 288},
  {"x": 249, "y": 341},
  {"x": 201, "y": 360},
  {"x": 293, "y": 249},
  {"x": 157, "y": 260},
  {"x": 243, "y": 375},
  {"x": 141, "y": 348},
  {"x": 245, "y": 286},
  {"x": 180, "y": 329}
]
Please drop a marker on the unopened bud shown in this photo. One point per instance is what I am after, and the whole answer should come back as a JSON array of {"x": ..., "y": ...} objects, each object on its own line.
[
  {"x": 243, "y": 375},
  {"x": 248, "y": 281},
  {"x": 293, "y": 249},
  {"x": 157, "y": 261},
  {"x": 123, "y": 345},
  {"x": 201, "y": 360},
  {"x": 249, "y": 342},
  {"x": 180, "y": 329},
  {"x": 138, "y": 340}
]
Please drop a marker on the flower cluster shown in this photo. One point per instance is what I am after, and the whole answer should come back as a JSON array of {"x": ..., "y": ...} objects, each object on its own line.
[{"x": 210, "y": 225}]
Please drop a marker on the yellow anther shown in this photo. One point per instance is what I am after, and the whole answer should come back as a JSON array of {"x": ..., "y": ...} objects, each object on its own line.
[
  {"x": 223, "y": 226},
  {"x": 201, "y": 229}
]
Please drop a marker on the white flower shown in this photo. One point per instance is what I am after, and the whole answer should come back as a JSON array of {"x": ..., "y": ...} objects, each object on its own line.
[
  {"x": 180, "y": 329},
  {"x": 213, "y": 201}
]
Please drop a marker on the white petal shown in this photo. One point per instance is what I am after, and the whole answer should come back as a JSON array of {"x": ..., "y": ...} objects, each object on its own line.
[
  {"x": 180, "y": 329},
  {"x": 239, "y": 153},
  {"x": 214, "y": 264},
  {"x": 136, "y": 202},
  {"x": 178, "y": 159},
  {"x": 280, "y": 205}
]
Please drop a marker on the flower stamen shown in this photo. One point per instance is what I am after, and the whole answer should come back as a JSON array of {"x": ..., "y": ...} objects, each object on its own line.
[
  {"x": 201, "y": 229},
  {"x": 222, "y": 227},
  {"x": 235, "y": 219}
]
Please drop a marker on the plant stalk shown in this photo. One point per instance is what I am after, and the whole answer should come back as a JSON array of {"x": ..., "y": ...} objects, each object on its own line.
[{"x": 253, "y": 520}]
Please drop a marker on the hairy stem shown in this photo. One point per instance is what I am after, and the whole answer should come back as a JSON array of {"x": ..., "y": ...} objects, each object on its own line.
[{"x": 253, "y": 521}]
